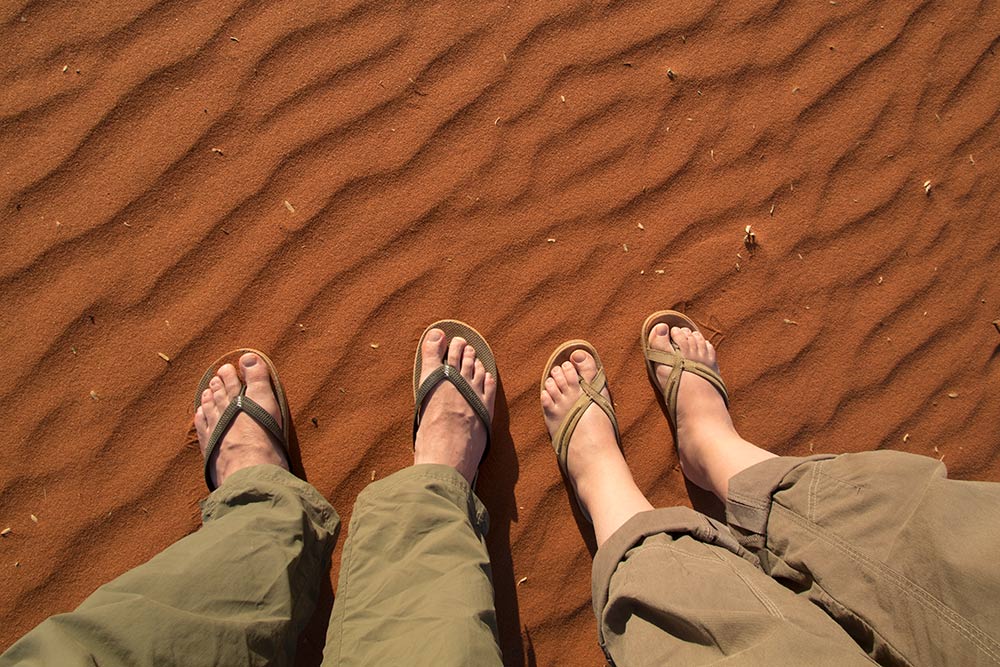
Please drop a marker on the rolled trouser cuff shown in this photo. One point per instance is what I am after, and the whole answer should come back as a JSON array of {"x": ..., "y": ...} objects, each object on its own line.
[
  {"x": 255, "y": 483},
  {"x": 748, "y": 505},
  {"x": 674, "y": 521}
]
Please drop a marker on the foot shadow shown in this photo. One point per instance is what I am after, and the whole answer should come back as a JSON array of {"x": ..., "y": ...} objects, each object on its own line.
[{"x": 495, "y": 488}]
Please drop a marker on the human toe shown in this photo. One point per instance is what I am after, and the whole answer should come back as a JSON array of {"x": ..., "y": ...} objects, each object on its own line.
[
  {"x": 659, "y": 337},
  {"x": 456, "y": 349},
  {"x": 569, "y": 372},
  {"x": 230, "y": 380},
  {"x": 489, "y": 389},
  {"x": 469, "y": 362},
  {"x": 432, "y": 351},
  {"x": 560, "y": 378},
  {"x": 584, "y": 364},
  {"x": 255, "y": 373},
  {"x": 219, "y": 394}
]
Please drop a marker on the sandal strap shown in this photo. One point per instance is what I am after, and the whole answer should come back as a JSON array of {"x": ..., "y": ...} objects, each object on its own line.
[
  {"x": 591, "y": 395},
  {"x": 453, "y": 375},
  {"x": 246, "y": 405},
  {"x": 679, "y": 364}
]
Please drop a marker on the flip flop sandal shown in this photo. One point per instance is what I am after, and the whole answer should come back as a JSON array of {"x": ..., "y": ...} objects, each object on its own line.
[
  {"x": 454, "y": 329},
  {"x": 591, "y": 395},
  {"x": 246, "y": 405},
  {"x": 677, "y": 362}
]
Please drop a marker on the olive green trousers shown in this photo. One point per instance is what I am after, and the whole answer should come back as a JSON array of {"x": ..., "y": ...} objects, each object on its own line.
[
  {"x": 414, "y": 589},
  {"x": 845, "y": 560}
]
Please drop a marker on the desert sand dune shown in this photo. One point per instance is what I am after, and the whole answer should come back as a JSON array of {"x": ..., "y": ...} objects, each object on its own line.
[{"x": 321, "y": 180}]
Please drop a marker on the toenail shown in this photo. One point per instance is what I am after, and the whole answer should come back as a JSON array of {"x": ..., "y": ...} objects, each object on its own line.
[
  {"x": 250, "y": 361},
  {"x": 434, "y": 336},
  {"x": 579, "y": 356},
  {"x": 662, "y": 329}
]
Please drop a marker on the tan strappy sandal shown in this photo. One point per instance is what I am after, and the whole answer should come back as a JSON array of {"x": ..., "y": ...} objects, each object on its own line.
[
  {"x": 244, "y": 404},
  {"x": 591, "y": 395},
  {"x": 677, "y": 362}
]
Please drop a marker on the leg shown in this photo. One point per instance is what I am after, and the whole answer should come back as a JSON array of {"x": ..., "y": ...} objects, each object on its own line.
[
  {"x": 897, "y": 553},
  {"x": 238, "y": 591},
  {"x": 879, "y": 540},
  {"x": 415, "y": 585},
  {"x": 672, "y": 586}
]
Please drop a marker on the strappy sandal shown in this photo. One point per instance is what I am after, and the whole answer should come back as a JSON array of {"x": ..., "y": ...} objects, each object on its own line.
[
  {"x": 454, "y": 329},
  {"x": 677, "y": 362},
  {"x": 591, "y": 395},
  {"x": 246, "y": 405}
]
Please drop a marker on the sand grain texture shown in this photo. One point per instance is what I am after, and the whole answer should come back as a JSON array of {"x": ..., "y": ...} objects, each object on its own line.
[{"x": 427, "y": 153}]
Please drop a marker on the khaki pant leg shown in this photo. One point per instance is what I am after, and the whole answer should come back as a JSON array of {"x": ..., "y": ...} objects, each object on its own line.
[
  {"x": 902, "y": 557},
  {"x": 236, "y": 592},
  {"x": 415, "y": 586},
  {"x": 674, "y": 587}
]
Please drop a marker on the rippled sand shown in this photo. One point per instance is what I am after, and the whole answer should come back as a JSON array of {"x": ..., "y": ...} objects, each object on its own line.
[{"x": 184, "y": 178}]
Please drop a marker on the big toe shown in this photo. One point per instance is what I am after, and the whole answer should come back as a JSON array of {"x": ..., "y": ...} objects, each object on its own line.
[
  {"x": 258, "y": 381},
  {"x": 585, "y": 364},
  {"x": 432, "y": 351},
  {"x": 659, "y": 337}
]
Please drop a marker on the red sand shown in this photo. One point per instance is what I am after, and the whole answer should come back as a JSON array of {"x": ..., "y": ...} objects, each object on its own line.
[{"x": 428, "y": 153}]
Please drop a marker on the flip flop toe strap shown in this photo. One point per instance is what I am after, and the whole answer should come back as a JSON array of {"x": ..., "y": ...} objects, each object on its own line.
[
  {"x": 591, "y": 395},
  {"x": 453, "y": 375},
  {"x": 678, "y": 364},
  {"x": 241, "y": 404}
]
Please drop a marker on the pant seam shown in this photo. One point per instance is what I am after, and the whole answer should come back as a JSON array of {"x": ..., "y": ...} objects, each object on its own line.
[
  {"x": 813, "y": 492},
  {"x": 768, "y": 604},
  {"x": 345, "y": 559},
  {"x": 749, "y": 501},
  {"x": 925, "y": 598}
]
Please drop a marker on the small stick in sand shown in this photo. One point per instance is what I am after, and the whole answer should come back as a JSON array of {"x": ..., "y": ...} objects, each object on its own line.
[
  {"x": 671, "y": 74},
  {"x": 218, "y": 151},
  {"x": 163, "y": 356},
  {"x": 291, "y": 209},
  {"x": 5, "y": 532},
  {"x": 65, "y": 68},
  {"x": 906, "y": 436},
  {"x": 521, "y": 580},
  {"x": 788, "y": 321},
  {"x": 234, "y": 39},
  {"x": 93, "y": 395},
  {"x": 996, "y": 323},
  {"x": 927, "y": 188},
  {"x": 749, "y": 238}
]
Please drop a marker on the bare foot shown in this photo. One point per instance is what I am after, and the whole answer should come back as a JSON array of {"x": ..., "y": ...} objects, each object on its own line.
[
  {"x": 596, "y": 467},
  {"x": 450, "y": 432},
  {"x": 709, "y": 448},
  {"x": 246, "y": 443}
]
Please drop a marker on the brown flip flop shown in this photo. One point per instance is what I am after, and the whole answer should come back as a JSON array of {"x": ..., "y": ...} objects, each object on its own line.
[
  {"x": 591, "y": 395},
  {"x": 677, "y": 362},
  {"x": 454, "y": 329},
  {"x": 243, "y": 403}
]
